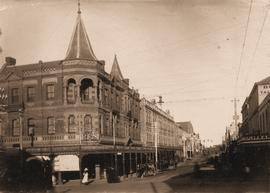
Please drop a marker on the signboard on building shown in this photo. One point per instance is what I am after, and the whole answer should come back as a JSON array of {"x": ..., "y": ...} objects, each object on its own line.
[{"x": 66, "y": 163}]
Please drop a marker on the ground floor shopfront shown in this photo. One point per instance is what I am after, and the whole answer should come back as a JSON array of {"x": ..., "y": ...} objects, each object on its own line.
[
  {"x": 250, "y": 152},
  {"x": 69, "y": 162}
]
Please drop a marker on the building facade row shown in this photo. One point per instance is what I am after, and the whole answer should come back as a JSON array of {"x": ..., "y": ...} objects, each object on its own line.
[
  {"x": 256, "y": 111},
  {"x": 74, "y": 109},
  {"x": 254, "y": 133}
]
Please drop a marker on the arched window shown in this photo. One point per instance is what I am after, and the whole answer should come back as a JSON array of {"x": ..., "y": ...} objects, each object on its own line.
[
  {"x": 86, "y": 91},
  {"x": 31, "y": 126},
  {"x": 71, "y": 90},
  {"x": 98, "y": 91},
  {"x": 87, "y": 123},
  {"x": 51, "y": 125},
  {"x": 71, "y": 124},
  {"x": 15, "y": 127}
]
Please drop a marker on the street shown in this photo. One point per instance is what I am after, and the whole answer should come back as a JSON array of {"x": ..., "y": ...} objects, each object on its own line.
[{"x": 180, "y": 180}]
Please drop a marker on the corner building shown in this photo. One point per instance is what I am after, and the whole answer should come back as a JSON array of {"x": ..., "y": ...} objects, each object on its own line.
[
  {"x": 254, "y": 133},
  {"x": 72, "y": 110}
]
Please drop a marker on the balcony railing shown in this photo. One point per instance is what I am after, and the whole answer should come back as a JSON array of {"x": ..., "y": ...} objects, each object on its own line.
[
  {"x": 255, "y": 138},
  {"x": 42, "y": 140}
]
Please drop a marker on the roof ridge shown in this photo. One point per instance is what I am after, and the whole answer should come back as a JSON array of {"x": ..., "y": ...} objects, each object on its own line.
[{"x": 264, "y": 81}]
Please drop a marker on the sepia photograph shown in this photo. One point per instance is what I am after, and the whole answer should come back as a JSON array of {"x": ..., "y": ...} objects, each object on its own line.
[{"x": 134, "y": 96}]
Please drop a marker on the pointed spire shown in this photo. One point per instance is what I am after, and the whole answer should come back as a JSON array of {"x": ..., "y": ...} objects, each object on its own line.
[
  {"x": 79, "y": 45},
  {"x": 116, "y": 72},
  {"x": 79, "y": 7}
]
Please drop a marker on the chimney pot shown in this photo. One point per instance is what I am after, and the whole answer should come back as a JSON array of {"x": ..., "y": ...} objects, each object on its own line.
[{"x": 10, "y": 61}]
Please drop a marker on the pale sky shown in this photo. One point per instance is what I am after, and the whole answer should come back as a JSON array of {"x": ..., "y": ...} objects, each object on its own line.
[{"x": 188, "y": 51}]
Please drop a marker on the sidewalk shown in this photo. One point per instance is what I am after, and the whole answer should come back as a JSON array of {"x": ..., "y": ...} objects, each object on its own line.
[{"x": 180, "y": 170}]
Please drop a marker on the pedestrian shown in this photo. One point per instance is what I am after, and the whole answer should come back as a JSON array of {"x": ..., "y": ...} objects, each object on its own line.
[
  {"x": 85, "y": 179},
  {"x": 53, "y": 179}
]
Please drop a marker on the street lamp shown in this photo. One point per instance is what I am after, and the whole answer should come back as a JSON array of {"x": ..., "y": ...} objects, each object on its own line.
[{"x": 156, "y": 143}]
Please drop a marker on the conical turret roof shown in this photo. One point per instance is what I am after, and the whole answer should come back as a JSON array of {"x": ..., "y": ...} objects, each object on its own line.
[
  {"x": 79, "y": 46},
  {"x": 115, "y": 71}
]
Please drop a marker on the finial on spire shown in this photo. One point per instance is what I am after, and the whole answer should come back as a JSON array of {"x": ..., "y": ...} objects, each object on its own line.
[{"x": 79, "y": 8}]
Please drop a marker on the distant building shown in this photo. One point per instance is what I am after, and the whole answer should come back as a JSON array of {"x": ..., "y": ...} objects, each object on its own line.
[
  {"x": 192, "y": 141},
  {"x": 232, "y": 132},
  {"x": 186, "y": 126},
  {"x": 159, "y": 129}
]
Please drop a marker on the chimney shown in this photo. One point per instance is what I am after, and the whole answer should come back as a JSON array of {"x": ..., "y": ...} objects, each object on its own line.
[{"x": 10, "y": 61}]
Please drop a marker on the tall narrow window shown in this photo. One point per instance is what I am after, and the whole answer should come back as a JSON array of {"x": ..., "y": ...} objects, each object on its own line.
[
  {"x": 1, "y": 128},
  {"x": 100, "y": 122},
  {"x": 51, "y": 125},
  {"x": 86, "y": 91},
  {"x": 15, "y": 95},
  {"x": 107, "y": 126},
  {"x": 50, "y": 91},
  {"x": 15, "y": 127},
  {"x": 71, "y": 124},
  {"x": 106, "y": 97},
  {"x": 71, "y": 91},
  {"x": 87, "y": 123},
  {"x": 31, "y": 126},
  {"x": 31, "y": 94}
]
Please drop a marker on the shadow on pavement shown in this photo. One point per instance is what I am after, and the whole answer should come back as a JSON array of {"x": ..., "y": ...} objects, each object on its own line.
[{"x": 213, "y": 181}]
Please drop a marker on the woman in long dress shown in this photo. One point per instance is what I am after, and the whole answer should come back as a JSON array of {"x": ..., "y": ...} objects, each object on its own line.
[{"x": 85, "y": 179}]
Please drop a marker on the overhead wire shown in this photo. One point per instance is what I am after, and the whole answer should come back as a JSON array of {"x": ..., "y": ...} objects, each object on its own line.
[
  {"x": 243, "y": 47},
  {"x": 257, "y": 44},
  {"x": 199, "y": 99}
]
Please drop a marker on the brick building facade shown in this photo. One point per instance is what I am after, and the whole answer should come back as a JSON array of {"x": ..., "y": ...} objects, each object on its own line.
[{"x": 75, "y": 114}]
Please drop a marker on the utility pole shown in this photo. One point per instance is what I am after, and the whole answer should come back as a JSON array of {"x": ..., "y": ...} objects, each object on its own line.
[
  {"x": 156, "y": 143},
  {"x": 1, "y": 50},
  {"x": 114, "y": 120},
  {"x": 235, "y": 116},
  {"x": 21, "y": 127}
]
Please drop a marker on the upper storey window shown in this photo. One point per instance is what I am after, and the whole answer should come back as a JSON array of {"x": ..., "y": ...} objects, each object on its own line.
[
  {"x": 71, "y": 90},
  {"x": 15, "y": 95},
  {"x": 50, "y": 91},
  {"x": 87, "y": 123},
  {"x": 31, "y": 94},
  {"x": 31, "y": 126},
  {"x": 1, "y": 128},
  {"x": 15, "y": 127},
  {"x": 51, "y": 125},
  {"x": 86, "y": 90},
  {"x": 71, "y": 124}
]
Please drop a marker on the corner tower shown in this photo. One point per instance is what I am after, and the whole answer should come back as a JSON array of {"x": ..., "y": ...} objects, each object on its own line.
[{"x": 80, "y": 46}]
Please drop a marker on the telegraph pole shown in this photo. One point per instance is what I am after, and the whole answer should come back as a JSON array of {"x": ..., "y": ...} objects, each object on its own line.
[
  {"x": 235, "y": 116},
  {"x": 21, "y": 128},
  {"x": 156, "y": 143}
]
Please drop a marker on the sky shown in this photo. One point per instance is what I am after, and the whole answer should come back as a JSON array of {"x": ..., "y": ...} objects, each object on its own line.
[{"x": 197, "y": 54}]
